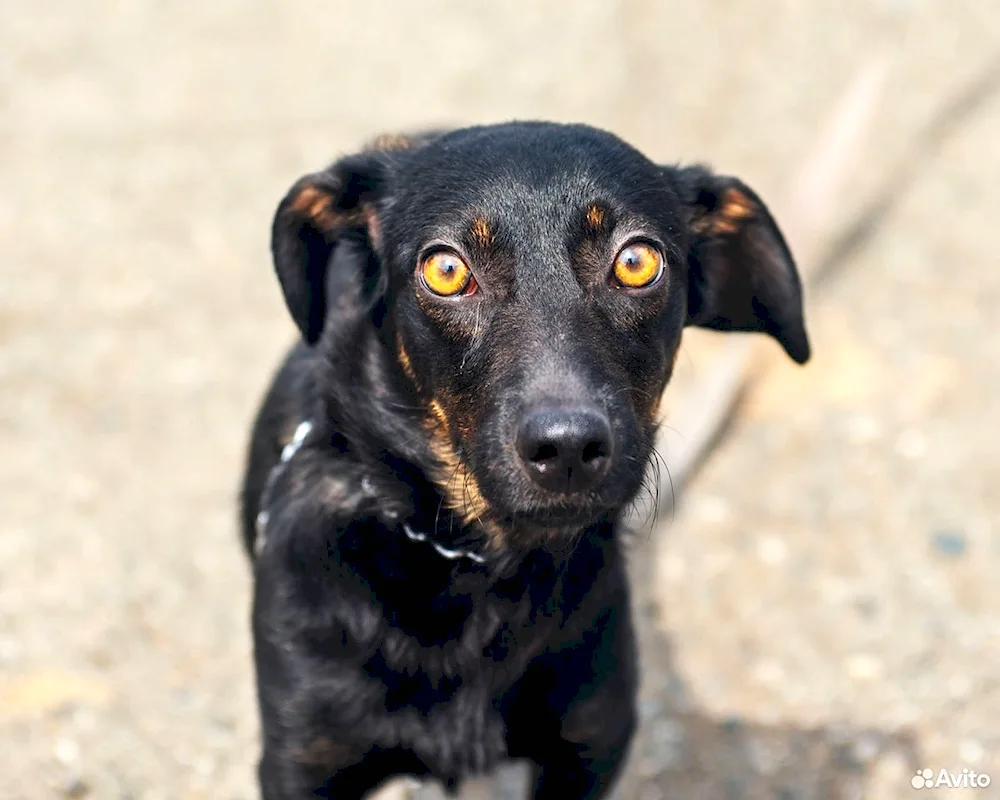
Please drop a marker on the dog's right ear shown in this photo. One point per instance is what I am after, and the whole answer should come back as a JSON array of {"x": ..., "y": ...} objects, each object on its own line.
[{"x": 319, "y": 211}]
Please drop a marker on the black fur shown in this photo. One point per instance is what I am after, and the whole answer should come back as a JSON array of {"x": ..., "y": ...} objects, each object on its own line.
[{"x": 375, "y": 654}]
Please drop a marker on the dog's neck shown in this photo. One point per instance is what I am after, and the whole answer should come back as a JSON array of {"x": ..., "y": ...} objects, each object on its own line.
[{"x": 409, "y": 526}]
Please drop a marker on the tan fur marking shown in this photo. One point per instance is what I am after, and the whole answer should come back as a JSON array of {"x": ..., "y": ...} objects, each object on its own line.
[
  {"x": 404, "y": 361},
  {"x": 734, "y": 207},
  {"x": 481, "y": 232},
  {"x": 317, "y": 205},
  {"x": 311, "y": 201},
  {"x": 595, "y": 217},
  {"x": 459, "y": 486},
  {"x": 439, "y": 413}
]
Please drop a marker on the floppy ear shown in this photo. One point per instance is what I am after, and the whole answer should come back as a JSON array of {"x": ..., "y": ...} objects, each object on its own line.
[
  {"x": 320, "y": 211},
  {"x": 741, "y": 275}
]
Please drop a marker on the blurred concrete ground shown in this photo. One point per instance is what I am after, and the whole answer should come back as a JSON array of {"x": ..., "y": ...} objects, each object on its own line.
[{"x": 821, "y": 615}]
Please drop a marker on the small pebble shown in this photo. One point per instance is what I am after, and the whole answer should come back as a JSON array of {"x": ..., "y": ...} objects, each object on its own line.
[
  {"x": 649, "y": 708},
  {"x": 667, "y": 737},
  {"x": 66, "y": 751},
  {"x": 650, "y": 792},
  {"x": 863, "y": 667},
  {"x": 712, "y": 508},
  {"x": 911, "y": 443},
  {"x": 959, "y": 687},
  {"x": 76, "y": 787},
  {"x": 863, "y": 429},
  {"x": 672, "y": 568},
  {"x": 648, "y": 767},
  {"x": 8, "y": 649},
  {"x": 765, "y": 757},
  {"x": 734, "y": 788},
  {"x": 772, "y": 551},
  {"x": 769, "y": 672},
  {"x": 866, "y": 605},
  {"x": 949, "y": 543},
  {"x": 971, "y": 751},
  {"x": 866, "y": 748},
  {"x": 732, "y": 724}
]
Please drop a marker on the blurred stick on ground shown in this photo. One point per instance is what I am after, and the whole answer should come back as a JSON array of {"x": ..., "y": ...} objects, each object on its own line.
[{"x": 805, "y": 216}]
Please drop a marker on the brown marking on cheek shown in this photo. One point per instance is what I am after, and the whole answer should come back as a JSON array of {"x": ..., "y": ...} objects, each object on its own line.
[
  {"x": 458, "y": 411},
  {"x": 437, "y": 410},
  {"x": 391, "y": 143},
  {"x": 455, "y": 480},
  {"x": 404, "y": 361},
  {"x": 473, "y": 505},
  {"x": 459, "y": 486},
  {"x": 481, "y": 232},
  {"x": 464, "y": 424},
  {"x": 733, "y": 209},
  {"x": 595, "y": 218}
]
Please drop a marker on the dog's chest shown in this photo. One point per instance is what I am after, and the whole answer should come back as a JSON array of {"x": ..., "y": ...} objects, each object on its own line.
[{"x": 457, "y": 642}]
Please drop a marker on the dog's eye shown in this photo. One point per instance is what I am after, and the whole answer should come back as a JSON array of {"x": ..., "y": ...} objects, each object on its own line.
[
  {"x": 638, "y": 265},
  {"x": 446, "y": 274}
]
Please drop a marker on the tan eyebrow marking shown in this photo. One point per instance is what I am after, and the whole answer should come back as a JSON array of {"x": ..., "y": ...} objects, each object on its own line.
[
  {"x": 481, "y": 232},
  {"x": 595, "y": 217}
]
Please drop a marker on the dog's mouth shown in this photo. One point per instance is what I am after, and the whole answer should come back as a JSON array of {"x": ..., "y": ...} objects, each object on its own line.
[{"x": 551, "y": 522}]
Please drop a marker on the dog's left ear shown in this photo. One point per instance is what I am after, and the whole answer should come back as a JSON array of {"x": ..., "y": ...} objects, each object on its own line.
[
  {"x": 741, "y": 275},
  {"x": 321, "y": 212}
]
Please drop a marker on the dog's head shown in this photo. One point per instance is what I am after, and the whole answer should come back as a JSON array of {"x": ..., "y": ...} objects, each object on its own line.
[{"x": 525, "y": 286}]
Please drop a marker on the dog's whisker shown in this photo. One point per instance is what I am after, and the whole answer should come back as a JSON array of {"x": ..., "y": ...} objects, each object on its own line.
[{"x": 662, "y": 462}]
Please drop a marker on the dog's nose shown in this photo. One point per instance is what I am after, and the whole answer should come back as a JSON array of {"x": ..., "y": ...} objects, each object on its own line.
[{"x": 565, "y": 450}]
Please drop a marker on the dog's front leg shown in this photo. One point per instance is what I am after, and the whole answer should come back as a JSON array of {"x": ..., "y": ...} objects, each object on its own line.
[
  {"x": 595, "y": 703},
  {"x": 585, "y": 770}
]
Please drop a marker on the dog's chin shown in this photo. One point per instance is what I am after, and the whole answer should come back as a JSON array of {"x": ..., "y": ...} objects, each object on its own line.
[{"x": 544, "y": 526}]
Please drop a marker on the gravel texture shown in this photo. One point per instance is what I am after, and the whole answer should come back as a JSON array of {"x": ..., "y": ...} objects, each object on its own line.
[{"x": 819, "y": 616}]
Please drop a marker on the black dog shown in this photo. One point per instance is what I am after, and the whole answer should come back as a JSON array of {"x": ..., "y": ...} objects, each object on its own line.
[{"x": 489, "y": 318}]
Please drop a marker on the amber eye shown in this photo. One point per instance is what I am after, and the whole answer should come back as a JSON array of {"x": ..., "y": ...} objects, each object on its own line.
[
  {"x": 446, "y": 274},
  {"x": 638, "y": 265}
]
